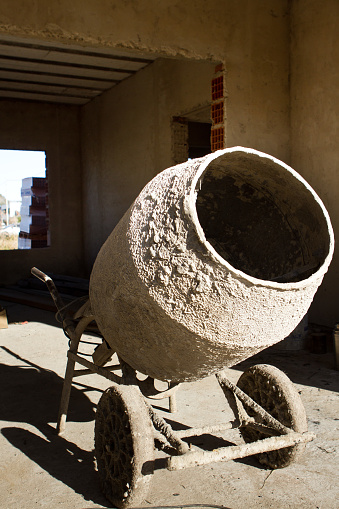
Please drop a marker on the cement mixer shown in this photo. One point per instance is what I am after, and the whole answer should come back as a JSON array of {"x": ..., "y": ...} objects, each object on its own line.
[{"x": 216, "y": 259}]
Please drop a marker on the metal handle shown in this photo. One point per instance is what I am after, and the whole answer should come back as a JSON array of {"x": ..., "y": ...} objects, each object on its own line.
[
  {"x": 51, "y": 287},
  {"x": 67, "y": 323},
  {"x": 40, "y": 275}
]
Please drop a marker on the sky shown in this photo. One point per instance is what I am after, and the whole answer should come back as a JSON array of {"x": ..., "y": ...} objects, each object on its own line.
[{"x": 16, "y": 165}]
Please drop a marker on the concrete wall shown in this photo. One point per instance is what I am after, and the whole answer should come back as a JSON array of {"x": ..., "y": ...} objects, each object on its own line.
[
  {"x": 315, "y": 122},
  {"x": 54, "y": 129},
  {"x": 125, "y": 133},
  {"x": 126, "y": 138},
  {"x": 256, "y": 56},
  {"x": 193, "y": 29},
  {"x": 250, "y": 37}
]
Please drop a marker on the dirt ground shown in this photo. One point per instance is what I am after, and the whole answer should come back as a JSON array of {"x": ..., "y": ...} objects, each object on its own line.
[{"x": 40, "y": 469}]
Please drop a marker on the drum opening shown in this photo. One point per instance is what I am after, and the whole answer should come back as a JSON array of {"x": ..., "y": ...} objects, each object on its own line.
[{"x": 261, "y": 219}]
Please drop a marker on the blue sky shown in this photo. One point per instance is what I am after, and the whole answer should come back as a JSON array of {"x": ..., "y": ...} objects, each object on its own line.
[{"x": 16, "y": 165}]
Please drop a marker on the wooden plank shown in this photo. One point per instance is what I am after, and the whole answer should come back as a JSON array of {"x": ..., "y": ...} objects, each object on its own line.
[
  {"x": 95, "y": 60},
  {"x": 63, "y": 68},
  {"x": 12, "y": 94},
  {"x": 47, "y": 89},
  {"x": 112, "y": 58},
  {"x": 22, "y": 86},
  {"x": 70, "y": 81}
]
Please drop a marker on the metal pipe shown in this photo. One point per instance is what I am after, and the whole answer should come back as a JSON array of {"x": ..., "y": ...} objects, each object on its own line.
[
  {"x": 165, "y": 429},
  {"x": 195, "y": 432},
  {"x": 196, "y": 458},
  {"x": 227, "y": 385},
  {"x": 95, "y": 369}
]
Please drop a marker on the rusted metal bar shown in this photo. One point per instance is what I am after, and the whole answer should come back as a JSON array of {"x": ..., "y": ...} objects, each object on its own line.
[
  {"x": 227, "y": 386},
  {"x": 165, "y": 429},
  {"x": 129, "y": 375},
  {"x": 260, "y": 427},
  {"x": 195, "y": 432},
  {"x": 67, "y": 322},
  {"x": 75, "y": 336},
  {"x": 172, "y": 403},
  {"x": 149, "y": 390},
  {"x": 89, "y": 371},
  {"x": 232, "y": 401},
  {"x": 147, "y": 386},
  {"x": 102, "y": 354},
  {"x": 50, "y": 285},
  {"x": 97, "y": 369},
  {"x": 195, "y": 458}
]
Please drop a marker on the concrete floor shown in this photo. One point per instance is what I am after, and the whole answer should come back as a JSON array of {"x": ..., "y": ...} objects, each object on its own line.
[{"x": 39, "y": 469}]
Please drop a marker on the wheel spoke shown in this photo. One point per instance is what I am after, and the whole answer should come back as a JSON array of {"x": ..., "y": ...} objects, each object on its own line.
[
  {"x": 271, "y": 389},
  {"x": 120, "y": 450}
]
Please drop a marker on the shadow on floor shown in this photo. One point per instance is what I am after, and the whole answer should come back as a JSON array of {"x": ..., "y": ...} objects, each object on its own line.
[
  {"x": 182, "y": 506},
  {"x": 31, "y": 394},
  {"x": 61, "y": 458},
  {"x": 301, "y": 366}
]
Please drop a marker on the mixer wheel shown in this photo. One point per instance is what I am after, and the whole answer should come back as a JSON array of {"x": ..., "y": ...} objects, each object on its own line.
[
  {"x": 273, "y": 390},
  {"x": 124, "y": 446}
]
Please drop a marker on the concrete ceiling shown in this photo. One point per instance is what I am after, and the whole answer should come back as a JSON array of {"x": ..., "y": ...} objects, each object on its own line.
[{"x": 43, "y": 71}]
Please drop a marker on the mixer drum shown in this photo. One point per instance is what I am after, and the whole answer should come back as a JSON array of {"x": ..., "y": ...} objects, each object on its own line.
[{"x": 216, "y": 259}]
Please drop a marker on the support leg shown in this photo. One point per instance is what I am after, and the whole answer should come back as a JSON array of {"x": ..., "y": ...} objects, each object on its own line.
[
  {"x": 67, "y": 386},
  {"x": 173, "y": 403},
  {"x": 65, "y": 395}
]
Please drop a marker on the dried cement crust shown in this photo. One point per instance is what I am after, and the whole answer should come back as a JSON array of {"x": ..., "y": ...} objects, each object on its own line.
[
  {"x": 272, "y": 389},
  {"x": 124, "y": 446},
  {"x": 163, "y": 291}
]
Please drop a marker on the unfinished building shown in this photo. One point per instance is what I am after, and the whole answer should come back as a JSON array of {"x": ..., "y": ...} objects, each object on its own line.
[{"x": 115, "y": 92}]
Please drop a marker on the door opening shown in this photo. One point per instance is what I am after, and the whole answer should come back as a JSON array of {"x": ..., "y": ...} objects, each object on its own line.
[{"x": 199, "y": 139}]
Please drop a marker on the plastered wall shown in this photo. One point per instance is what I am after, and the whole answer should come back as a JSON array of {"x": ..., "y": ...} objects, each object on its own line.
[
  {"x": 55, "y": 130},
  {"x": 193, "y": 29},
  {"x": 126, "y": 138},
  {"x": 256, "y": 57},
  {"x": 315, "y": 122},
  {"x": 250, "y": 37}
]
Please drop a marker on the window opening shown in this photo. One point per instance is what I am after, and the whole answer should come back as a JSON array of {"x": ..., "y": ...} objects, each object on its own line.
[
  {"x": 190, "y": 139},
  {"x": 199, "y": 139},
  {"x": 24, "y": 217}
]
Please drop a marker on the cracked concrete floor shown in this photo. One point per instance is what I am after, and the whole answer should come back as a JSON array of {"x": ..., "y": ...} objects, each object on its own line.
[{"x": 40, "y": 469}]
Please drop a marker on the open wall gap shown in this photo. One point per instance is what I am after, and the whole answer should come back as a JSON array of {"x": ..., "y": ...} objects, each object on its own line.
[{"x": 24, "y": 218}]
